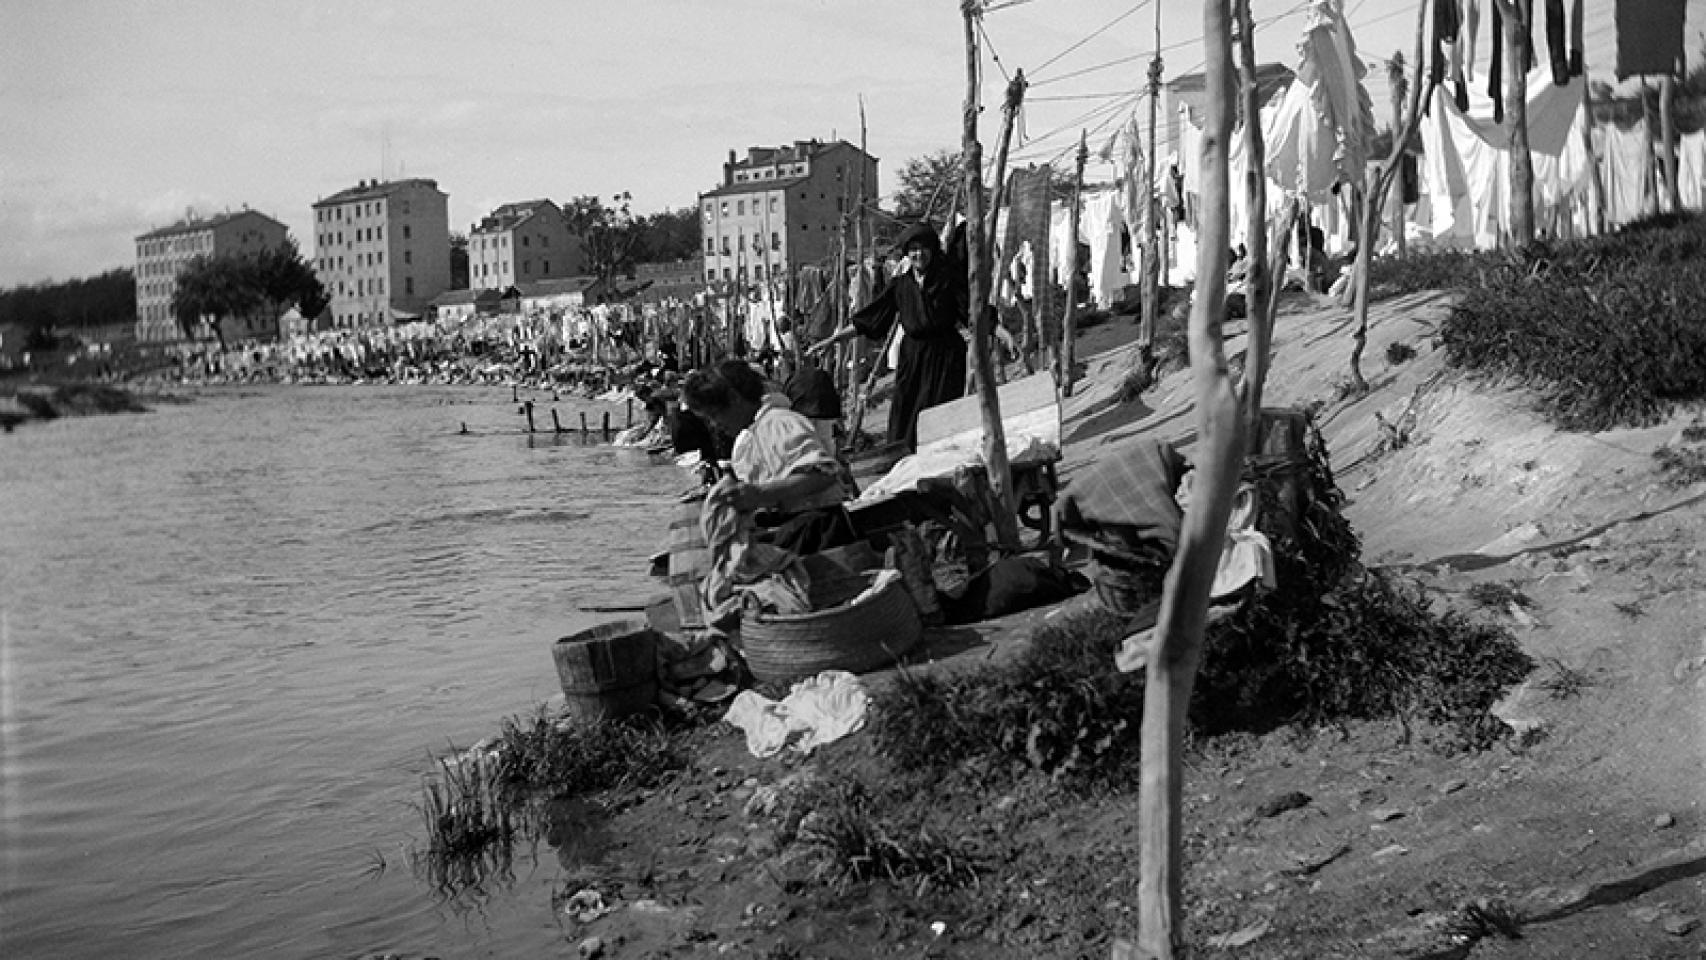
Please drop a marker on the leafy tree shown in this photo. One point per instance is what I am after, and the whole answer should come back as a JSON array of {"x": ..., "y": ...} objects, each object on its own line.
[
  {"x": 671, "y": 235},
  {"x": 610, "y": 236},
  {"x": 459, "y": 261},
  {"x": 927, "y": 186},
  {"x": 261, "y": 283},
  {"x": 106, "y": 299}
]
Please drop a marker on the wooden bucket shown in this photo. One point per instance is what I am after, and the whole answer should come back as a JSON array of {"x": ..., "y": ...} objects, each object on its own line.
[
  {"x": 689, "y": 562},
  {"x": 609, "y": 671}
]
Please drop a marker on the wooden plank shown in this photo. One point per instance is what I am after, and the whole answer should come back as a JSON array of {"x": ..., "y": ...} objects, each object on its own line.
[{"x": 957, "y": 417}]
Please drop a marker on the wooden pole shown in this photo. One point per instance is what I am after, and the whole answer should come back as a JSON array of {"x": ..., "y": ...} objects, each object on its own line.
[
  {"x": 1258, "y": 283},
  {"x": 1381, "y": 181},
  {"x": 977, "y": 270},
  {"x": 1069, "y": 322},
  {"x": 1399, "y": 86},
  {"x": 1009, "y": 112},
  {"x": 556, "y": 424},
  {"x": 1184, "y": 599},
  {"x": 527, "y": 407},
  {"x": 607, "y": 425},
  {"x": 1667, "y": 142},
  {"x": 1596, "y": 187},
  {"x": 1149, "y": 294},
  {"x": 1516, "y": 114}
]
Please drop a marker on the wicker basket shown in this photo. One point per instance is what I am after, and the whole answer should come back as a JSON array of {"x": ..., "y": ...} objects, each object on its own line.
[{"x": 835, "y": 636}]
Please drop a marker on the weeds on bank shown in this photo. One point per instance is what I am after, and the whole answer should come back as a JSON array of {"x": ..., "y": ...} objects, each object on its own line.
[
  {"x": 1681, "y": 466},
  {"x": 1562, "y": 681},
  {"x": 1498, "y": 596},
  {"x": 1606, "y": 331},
  {"x": 477, "y": 805},
  {"x": 471, "y": 827},
  {"x": 572, "y": 758},
  {"x": 853, "y": 835},
  {"x": 1336, "y": 642}
]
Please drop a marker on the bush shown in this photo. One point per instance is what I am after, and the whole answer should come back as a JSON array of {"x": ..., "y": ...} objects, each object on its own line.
[
  {"x": 1608, "y": 332},
  {"x": 1335, "y": 642}
]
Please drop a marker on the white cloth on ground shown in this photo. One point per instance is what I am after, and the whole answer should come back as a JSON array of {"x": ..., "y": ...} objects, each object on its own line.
[{"x": 816, "y": 711}]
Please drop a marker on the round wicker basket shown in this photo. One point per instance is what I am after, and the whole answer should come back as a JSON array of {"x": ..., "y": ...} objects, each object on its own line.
[{"x": 837, "y": 635}]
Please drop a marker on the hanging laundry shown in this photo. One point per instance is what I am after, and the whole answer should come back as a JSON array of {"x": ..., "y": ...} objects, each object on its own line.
[
  {"x": 1496, "y": 66},
  {"x": 1471, "y": 26},
  {"x": 1649, "y": 37},
  {"x": 1556, "y": 44}
]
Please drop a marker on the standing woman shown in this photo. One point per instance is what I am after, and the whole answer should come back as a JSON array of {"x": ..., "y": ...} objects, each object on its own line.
[{"x": 930, "y": 300}]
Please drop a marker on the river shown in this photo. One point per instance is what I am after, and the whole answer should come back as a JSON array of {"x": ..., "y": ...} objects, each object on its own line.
[{"x": 233, "y": 634}]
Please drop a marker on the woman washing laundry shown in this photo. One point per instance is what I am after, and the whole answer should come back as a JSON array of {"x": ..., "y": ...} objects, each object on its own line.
[{"x": 783, "y": 476}]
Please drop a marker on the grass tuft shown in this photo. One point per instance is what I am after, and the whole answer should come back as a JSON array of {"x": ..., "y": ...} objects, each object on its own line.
[{"x": 1498, "y": 596}]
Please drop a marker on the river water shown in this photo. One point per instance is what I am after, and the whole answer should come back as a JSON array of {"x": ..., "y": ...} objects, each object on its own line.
[{"x": 233, "y": 634}]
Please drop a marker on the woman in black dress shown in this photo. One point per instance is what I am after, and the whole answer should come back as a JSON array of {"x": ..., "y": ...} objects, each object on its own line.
[{"x": 930, "y": 300}]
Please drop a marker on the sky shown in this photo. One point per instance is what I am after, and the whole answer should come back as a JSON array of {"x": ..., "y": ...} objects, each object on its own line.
[{"x": 119, "y": 116}]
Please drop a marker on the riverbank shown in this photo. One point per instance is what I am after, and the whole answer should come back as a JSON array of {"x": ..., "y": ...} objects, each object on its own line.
[{"x": 1577, "y": 825}]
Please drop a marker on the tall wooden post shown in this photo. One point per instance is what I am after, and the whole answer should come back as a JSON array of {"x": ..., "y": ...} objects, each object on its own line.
[
  {"x": 1069, "y": 323},
  {"x": 1596, "y": 186},
  {"x": 1516, "y": 114},
  {"x": 1150, "y": 292},
  {"x": 1399, "y": 86},
  {"x": 1184, "y": 601},
  {"x": 1258, "y": 282},
  {"x": 1421, "y": 86},
  {"x": 977, "y": 269},
  {"x": 1667, "y": 142},
  {"x": 1009, "y": 113}
]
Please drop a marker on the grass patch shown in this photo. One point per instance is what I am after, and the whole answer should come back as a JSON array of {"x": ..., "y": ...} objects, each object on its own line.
[
  {"x": 1562, "y": 681},
  {"x": 1607, "y": 331},
  {"x": 1398, "y": 352},
  {"x": 1443, "y": 270},
  {"x": 478, "y": 804},
  {"x": 471, "y": 827},
  {"x": 564, "y": 759},
  {"x": 1498, "y": 596},
  {"x": 1680, "y": 466},
  {"x": 852, "y": 836}
]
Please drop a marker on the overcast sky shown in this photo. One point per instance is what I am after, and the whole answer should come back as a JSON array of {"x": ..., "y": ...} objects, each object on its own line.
[{"x": 117, "y": 116}]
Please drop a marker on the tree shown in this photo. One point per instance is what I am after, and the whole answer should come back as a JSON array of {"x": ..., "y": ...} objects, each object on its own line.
[
  {"x": 670, "y": 235},
  {"x": 459, "y": 261},
  {"x": 609, "y": 236},
  {"x": 261, "y": 283},
  {"x": 928, "y": 186}
]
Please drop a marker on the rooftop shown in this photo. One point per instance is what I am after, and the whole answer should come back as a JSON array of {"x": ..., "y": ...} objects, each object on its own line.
[
  {"x": 375, "y": 190},
  {"x": 193, "y": 224}
]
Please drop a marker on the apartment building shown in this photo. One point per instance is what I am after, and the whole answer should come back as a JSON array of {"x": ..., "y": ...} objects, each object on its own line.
[
  {"x": 520, "y": 243},
  {"x": 382, "y": 250},
  {"x": 781, "y": 208},
  {"x": 162, "y": 254}
]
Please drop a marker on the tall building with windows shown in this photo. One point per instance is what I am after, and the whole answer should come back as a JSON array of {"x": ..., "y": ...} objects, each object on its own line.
[
  {"x": 781, "y": 208},
  {"x": 382, "y": 250},
  {"x": 521, "y": 243},
  {"x": 162, "y": 254}
]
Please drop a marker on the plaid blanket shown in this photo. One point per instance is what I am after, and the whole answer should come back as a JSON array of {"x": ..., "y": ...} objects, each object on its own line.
[{"x": 1123, "y": 505}]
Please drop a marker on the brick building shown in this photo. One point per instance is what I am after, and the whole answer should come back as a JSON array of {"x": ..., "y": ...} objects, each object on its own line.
[
  {"x": 162, "y": 254},
  {"x": 781, "y": 208},
  {"x": 382, "y": 250}
]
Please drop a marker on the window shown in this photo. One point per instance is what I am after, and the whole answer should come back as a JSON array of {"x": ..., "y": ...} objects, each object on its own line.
[
  {"x": 525, "y": 241},
  {"x": 408, "y": 256},
  {"x": 379, "y": 232},
  {"x": 710, "y": 246},
  {"x": 775, "y": 241},
  {"x": 381, "y": 256},
  {"x": 710, "y": 276},
  {"x": 405, "y": 208},
  {"x": 805, "y": 226},
  {"x": 728, "y": 274},
  {"x": 725, "y": 208},
  {"x": 544, "y": 241},
  {"x": 758, "y": 271},
  {"x": 707, "y": 213},
  {"x": 773, "y": 203},
  {"x": 545, "y": 268},
  {"x": 840, "y": 204},
  {"x": 527, "y": 268},
  {"x": 725, "y": 246},
  {"x": 409, "y": 286},
  {"x": 740, "y": 208},
  {"x": 405, "y": 229}
]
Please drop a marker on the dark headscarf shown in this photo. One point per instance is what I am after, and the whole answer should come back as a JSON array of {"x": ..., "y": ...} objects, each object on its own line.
[{"x": 921, "y": 233}]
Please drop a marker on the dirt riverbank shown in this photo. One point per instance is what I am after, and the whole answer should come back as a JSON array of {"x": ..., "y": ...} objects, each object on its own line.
[{"x": 1580, "y": 835}]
